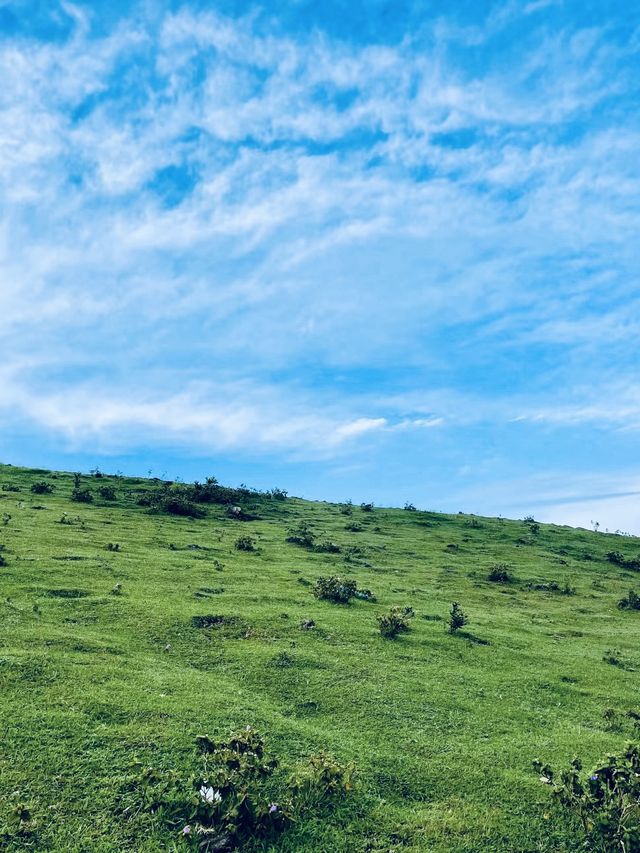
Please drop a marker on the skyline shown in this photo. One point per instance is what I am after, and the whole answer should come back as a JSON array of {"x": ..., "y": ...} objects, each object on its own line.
[{"x": 351, "y": 250}]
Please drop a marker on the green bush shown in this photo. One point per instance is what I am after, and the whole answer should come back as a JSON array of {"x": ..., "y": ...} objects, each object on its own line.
[
  {"x": 107, "y": 493},
  {"x": 42, "y": 488},
  {"x": 302, "y": 535},
  {"x": 239, "y": 799},
  {"x": 606, "y": 801},
  {"x": 395, "y": 622},
  {"x": 500, "y": 574},
  {"x": 631, "y": 602},
  {"x": 335, "y": 589},
  {"x": 244, "y": 543}
]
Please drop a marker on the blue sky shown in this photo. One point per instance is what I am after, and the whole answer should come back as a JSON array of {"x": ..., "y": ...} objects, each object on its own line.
[{"x": 374, "y": 250}]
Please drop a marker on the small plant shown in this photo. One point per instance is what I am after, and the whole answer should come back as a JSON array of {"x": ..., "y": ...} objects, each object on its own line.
[
  {"x": 302, "y": 535},
  {"x": 112, "y": 546},
  {"x": 327, "y": 547},
  {"x": 245, "y": 543},
  {"x": 6, "y": 518},
  {"x": 107, "y": 493},
  {"x": 500, "y": 574},
  {"x": 409, "y": 507},
  {"x": 457, "y": 619},
  {"x": 335, "y": 589},
  {"x": 364, "y": 595},
  {"x": 42, "y": 488},
  {"x": 605, "y": 802},
  {"x": 80, "y": 495},
  {"x": 117, "y": 590},
  {"x": 346, "y": 508},
  {"x": 366, "y": 507},
  {"x": 630, "y": 602},
  {"x": 395, "y": 622},
  {"x": 3, "y": 562},
  {"x": 322, "y": 781}
]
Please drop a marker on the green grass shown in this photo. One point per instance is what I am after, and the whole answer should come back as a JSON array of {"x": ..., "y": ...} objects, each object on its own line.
[{"x": 442, "y": 729}]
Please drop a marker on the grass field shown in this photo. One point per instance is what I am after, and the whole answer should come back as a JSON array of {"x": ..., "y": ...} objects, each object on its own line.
[{"x": 442, "y": 728}]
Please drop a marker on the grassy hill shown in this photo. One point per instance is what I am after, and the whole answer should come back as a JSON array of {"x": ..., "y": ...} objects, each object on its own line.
[{"x": 107, "y": 666}]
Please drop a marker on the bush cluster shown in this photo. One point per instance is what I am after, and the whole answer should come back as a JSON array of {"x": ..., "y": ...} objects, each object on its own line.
[
  {"x": 605, "y": 801},
  {"x": 335, "y": 589}
]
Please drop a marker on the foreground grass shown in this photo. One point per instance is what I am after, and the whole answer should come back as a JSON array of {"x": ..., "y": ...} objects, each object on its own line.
[{"x": 443, "y": 729}]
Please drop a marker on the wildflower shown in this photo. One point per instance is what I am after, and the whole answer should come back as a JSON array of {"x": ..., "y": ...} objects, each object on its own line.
[
  {"x": 209, "y": 795},
  {"x": 594, "y": 777},
  {"x": 186, "y": 830},
  {"x": 273, "y": 808}
]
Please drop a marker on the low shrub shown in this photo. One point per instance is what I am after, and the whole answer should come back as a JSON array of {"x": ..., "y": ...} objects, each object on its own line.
[
  {"x": 366, "y": 507},
  {"x": 500, "y": 574},
  {"x": 410, "y": 507},
  {"x": 10, "y": 487},
  {"x": 107, "y": 493},
  {"x": 364, "y": 595},
  {"x": 395, "y": 622},
  {"x": 112, "y": 546},
  {"x": 239, "y": 798},
  {"x": 327, "y": 547},
  {"x": 245, "y": 543},
  {"x": 552, "y": 586},
  {"x": 630, "y": 602},
  {"x": 302, "y": 535},
  {"x": 41, "y": 488},
  {"x": 605, "y": 801},
  {"x": 618, "y": 559},
  {"x": 335, "y": 589}
]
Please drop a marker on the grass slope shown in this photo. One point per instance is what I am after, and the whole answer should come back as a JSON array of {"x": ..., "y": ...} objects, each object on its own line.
[{"x": 442, "y": 728}]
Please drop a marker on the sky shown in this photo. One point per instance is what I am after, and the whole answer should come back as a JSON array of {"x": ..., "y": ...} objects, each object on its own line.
[{"x": 381, "y": 251}]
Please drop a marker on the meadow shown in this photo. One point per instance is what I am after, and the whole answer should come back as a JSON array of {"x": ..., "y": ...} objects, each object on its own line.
[{"x": 129, "y": 628}]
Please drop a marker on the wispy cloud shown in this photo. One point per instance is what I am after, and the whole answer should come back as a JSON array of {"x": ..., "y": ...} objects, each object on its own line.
[{"x": 233, "y": 233}]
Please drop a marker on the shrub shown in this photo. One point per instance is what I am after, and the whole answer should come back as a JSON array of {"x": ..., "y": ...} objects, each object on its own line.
[
  {"x": 366, "y": 507},
  {"x": 457, "y": 619},
  {"x": 605, "y": 801},
  {"x": 278, "y": 494},
  {"x": 335, "y": 589},
  {"x": 364, "y": 595},
  {"x": 327, "y": 547},
  {"x": 500, "y": 574},
  {"x": 107, "y": 493},
  {"x": 410, "y": 507},
  {"x": 10, "y": 487},
  {"x": 395, "y": 622},
  {"x": 42, "y": 488},
  {"x": 6, "y": 518},
  {"x": 322, "y": 780},
  {"x": 3, "y": 562},
  {"x": 238, "y": 800},
  {"x": 112, "y": 546},
  {"x": 346, "y": 508},
  {"x": 301, "y": 535},
  {"x": 244, "y": 543},
  {"x": 117, "y": 590},
  {"x": 619, "y": 560},
  {"x": 631, "y": 602}
]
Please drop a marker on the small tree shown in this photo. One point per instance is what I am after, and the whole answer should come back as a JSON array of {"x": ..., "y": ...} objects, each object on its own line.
[{"x": 456, "y": 618}]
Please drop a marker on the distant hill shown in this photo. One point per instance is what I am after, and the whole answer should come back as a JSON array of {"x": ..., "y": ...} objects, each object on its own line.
[{"x": 137, "y": 616}]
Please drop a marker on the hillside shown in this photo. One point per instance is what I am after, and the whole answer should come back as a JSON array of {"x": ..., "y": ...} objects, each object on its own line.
[{"x": 106, "y": 669}]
